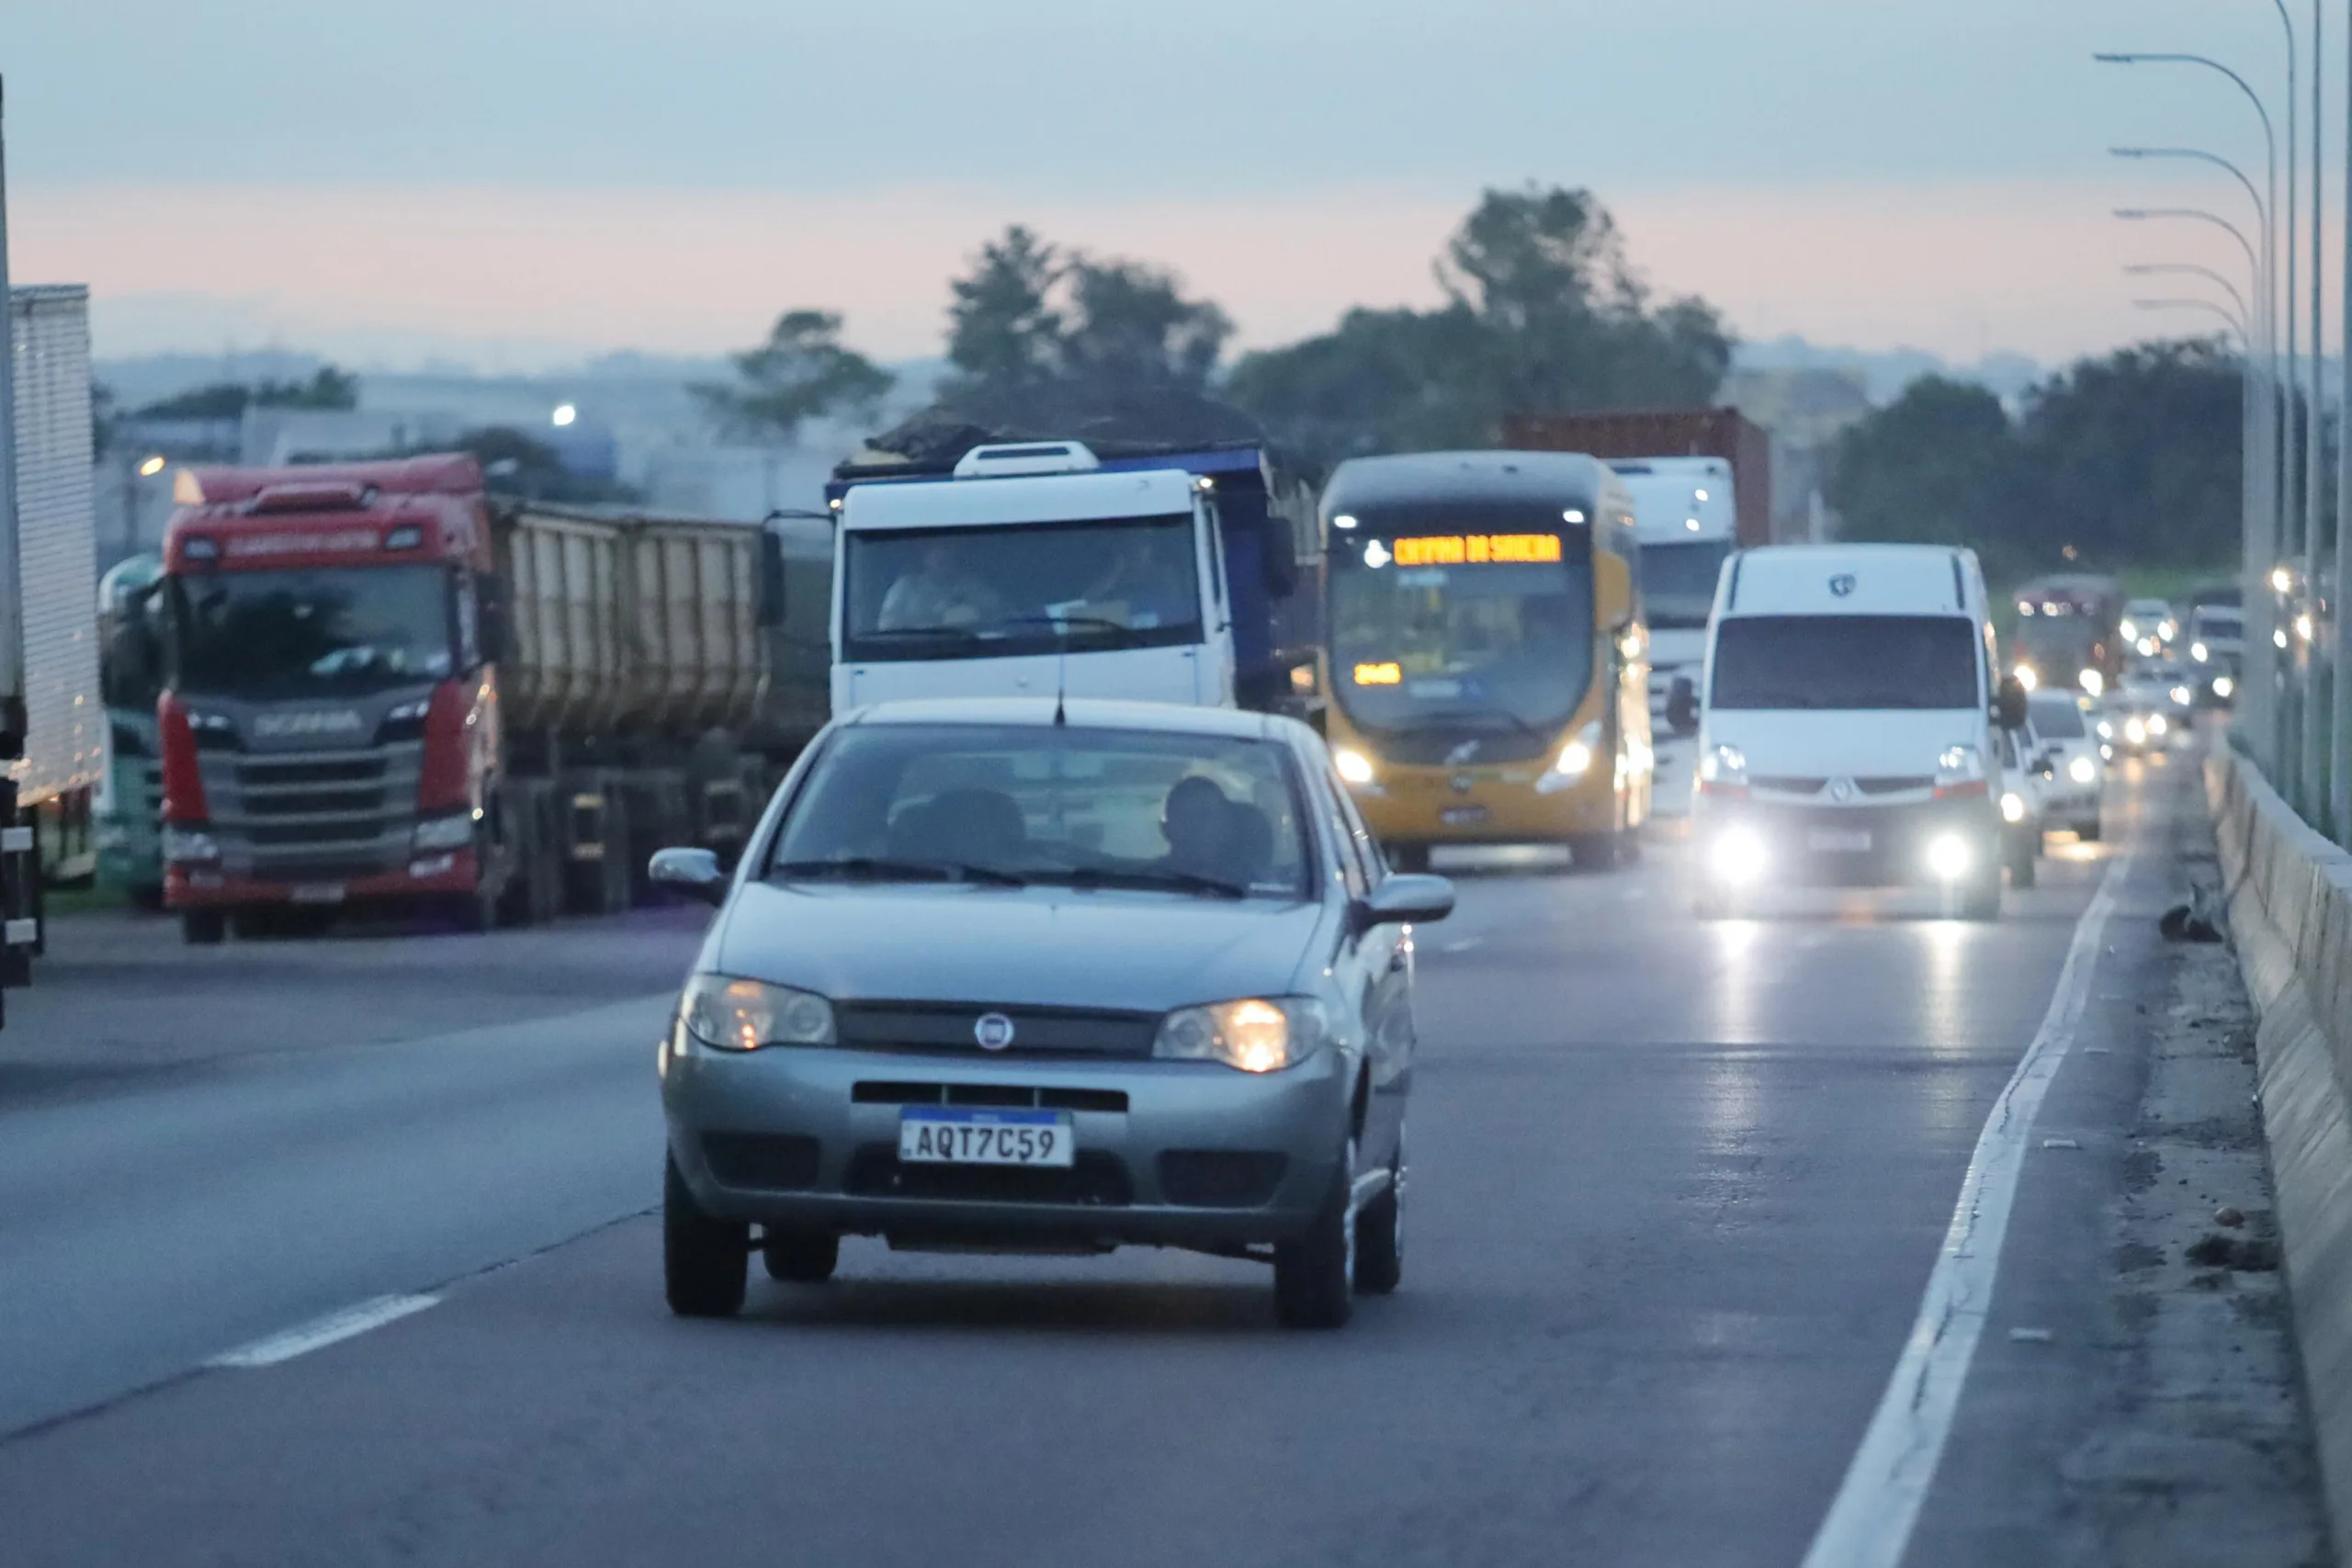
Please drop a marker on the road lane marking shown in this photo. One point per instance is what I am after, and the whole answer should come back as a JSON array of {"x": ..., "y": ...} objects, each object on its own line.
[
  {"x": 320, "y": 1332},
  {"x": 1869, "y": 1523}
]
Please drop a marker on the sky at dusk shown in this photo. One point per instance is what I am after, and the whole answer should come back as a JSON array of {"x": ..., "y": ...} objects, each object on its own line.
[{"x": 517, "y": 182}]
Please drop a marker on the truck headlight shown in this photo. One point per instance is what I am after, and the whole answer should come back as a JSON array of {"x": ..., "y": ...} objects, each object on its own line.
[
  {"x": 1355, "y": 767},
  {"x": 455, "y": 831},
  {"x": 1254, "y": 1035},
  {"x": 190, "y": 846},
  {"x": 2082, "y": 771},
  {"x": 743, "y": 1015},
  {"x": 1573, "y": 762}
]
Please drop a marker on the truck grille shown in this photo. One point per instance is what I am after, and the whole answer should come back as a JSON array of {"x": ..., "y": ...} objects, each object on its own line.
[{"x": 313, "y": 815}]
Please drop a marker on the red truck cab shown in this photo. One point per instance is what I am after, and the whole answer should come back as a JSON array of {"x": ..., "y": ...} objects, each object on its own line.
[{"x": 329, "y": 722}]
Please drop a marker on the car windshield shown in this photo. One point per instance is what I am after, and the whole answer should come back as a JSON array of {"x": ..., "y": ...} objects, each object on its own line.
[
  {"x": 1504, "y": 642},
  {"x": 1845, "y": 662},
  {"x": 1679, "y": 581},
  {"x": 1185, "y": 814},
  {"x": 983, "y": 592},
  {"x": 304, "y": 633},
  {"x": 2057, "y": 718}
]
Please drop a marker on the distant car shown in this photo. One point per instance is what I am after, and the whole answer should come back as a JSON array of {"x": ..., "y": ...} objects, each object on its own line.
[
  {"x": 2023, "y": 808},
  {"x": 1000, "y": 975},
  {"x": 2148, "y": 626},
  {"x": 2064, "y": 738},
  {"x": 2151, "y": 706}
]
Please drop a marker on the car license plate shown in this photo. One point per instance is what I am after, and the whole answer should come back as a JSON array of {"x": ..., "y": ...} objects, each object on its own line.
[
  {"x": 1462, "y": 816},
  {"x": 1839, "y": 841},
  {"x": 317, "y": 893},
  {"x": 985, "y": 1137}
]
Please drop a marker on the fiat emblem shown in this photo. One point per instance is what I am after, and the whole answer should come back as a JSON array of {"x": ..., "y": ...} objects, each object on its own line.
[{"x": 993, "y": 1031}]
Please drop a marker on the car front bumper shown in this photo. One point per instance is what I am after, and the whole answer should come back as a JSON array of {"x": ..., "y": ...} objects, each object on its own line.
[
  {"x": 1861, "y": 845},
  {"x": 1201, "y": 1156}
]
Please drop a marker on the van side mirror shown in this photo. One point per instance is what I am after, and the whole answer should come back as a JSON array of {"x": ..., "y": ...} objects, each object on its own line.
[
  {"x": 2009, "y": 702},
  {"x": 693, "y": 871},
  {"x": 1682, "y": 706},
  {"x": 771, "y": 602},
  {"x": 493, "y": 623}
]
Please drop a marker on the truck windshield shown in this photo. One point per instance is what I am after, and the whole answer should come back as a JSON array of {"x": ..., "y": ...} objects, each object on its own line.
[
  {"x": 1845, "y": 662},
  {"x": 300, "y": 632},
  {"x": 2062, "y": 646},
  {"x": 1428, "y": 656},
  {"x": 1679, "y": 581},
  {"x": 984, "y": 592}
]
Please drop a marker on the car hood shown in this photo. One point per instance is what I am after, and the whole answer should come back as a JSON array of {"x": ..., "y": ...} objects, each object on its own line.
[
  {"x": 1040, "y": 946},
  {"x": 1805, "y": 743}
]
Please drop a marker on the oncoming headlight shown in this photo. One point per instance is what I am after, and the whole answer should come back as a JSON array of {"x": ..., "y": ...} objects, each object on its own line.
[
  {"x": 1948, "y": 856},
  {"x": 2012, "y": 806},
  {"x": 2094, "y": 681},
  {"x": 2082, "y": 771},
  {"x": 1255, "y": 1035},
  {"x": 2156, "y": 725},
  {"x": 743, "y": 1015},
  {"x": 1737, "y": 856},
  {"x": 2224, "y": 685},
  {"x": 2027, "y": 677}
]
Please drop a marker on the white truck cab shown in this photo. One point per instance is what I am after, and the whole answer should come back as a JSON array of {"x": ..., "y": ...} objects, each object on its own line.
[
  {"x": 1848, "y": 726},
  {"x": 1685, "y": 518},
  {"x": 1029, "y": 572}
]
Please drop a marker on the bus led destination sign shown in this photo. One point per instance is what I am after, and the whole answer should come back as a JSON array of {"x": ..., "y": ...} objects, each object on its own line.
[{"x": 1474, "y": 550}]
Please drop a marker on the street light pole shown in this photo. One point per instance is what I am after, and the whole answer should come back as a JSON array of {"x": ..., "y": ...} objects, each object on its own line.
[
  {"x": 2340, "y": 665},
  {"x": 2311, "y": 786}
]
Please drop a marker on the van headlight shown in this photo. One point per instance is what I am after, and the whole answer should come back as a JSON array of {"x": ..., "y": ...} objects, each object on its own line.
[
  {"x": 1355, "y": 767},
  {"x": 1573, "y": 762},
  {"x": 728, "y": 1014},
  {"x": 1256, "y": 1034},
  {"x": 1725, "y": 768},
  {"x": 1960, "y": 769}
]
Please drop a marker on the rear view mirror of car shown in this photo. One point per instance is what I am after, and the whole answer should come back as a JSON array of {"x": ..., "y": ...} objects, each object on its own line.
[
  {"x": 1682, "y": 706},
  {"x": 1408, "y": 900},
  {"x": 691, "y": 871}
]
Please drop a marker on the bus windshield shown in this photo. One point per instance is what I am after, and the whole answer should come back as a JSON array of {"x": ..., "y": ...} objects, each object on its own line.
[
  {"x": 1679, "y": 581},
  {"x": 1433, "y": 647}
]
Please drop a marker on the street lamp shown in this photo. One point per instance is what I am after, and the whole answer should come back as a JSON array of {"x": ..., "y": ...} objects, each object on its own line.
[
  {"x": 2197, "y": 214},
  {"x": 2185, "y": 302},
  {"x": 2188, "y": 270}
]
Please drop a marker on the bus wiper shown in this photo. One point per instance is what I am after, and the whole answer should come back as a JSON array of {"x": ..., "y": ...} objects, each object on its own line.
[
  {"x": 881, "y": 869},
  {"x": 1086, "y": 876}
]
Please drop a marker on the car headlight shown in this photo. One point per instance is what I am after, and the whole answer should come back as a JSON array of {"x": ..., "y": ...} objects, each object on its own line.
[
  {"x": 1573, "y": 762},
  {"x": 2135, "y": 729},
  {"x": 2131, "y": 630},
  {"x": 743, "y": 1015},
  {"x": 2156, "y": 724},
  {"x": 455, "y": 831},
  {"x": 2200, "y": 652},
  {"x": 190, "y": 846},
  {"x": 1355, "y": 767},
  {"x": 2012, "y": 806},
  {"x": 2105, "y": 729},
  {"x": 2224, "y": 685},
  {"x": 2180, "y": 696},
  {"x": 2094, "y": 681},
  {"x": 2082, "y": 771},
  {"x": 1256, "y": 1034}
]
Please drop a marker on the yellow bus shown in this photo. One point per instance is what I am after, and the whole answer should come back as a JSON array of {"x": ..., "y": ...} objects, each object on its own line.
[{"x": 1486, "y": 657}]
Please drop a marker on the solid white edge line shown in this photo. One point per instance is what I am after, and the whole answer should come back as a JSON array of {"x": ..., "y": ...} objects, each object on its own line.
[
  {"x": 319, "y": 1332},
  {"x": 1870, "y": 1522}
]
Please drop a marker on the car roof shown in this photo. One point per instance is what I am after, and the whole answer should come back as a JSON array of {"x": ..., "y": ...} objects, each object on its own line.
[{"x": 1084, "y": 713}]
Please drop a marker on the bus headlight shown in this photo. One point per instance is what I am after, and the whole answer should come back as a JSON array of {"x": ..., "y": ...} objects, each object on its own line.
[
  {"x": 1738, "y": 857},
  {"x": 1573, "y": 762},
  {"x": 1355, "y": 767}
]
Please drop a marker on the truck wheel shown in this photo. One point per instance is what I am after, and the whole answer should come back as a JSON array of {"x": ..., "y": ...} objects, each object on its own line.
[
  {"x": 1315, "y": 1275},
  {"x": 799, "y": 1255},
  {"x": 706, "y": 1261},
  {"x": 203, "y": 928}
]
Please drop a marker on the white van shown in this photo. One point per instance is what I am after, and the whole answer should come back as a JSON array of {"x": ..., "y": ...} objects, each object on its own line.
[{"x": 1848, "y": 728}]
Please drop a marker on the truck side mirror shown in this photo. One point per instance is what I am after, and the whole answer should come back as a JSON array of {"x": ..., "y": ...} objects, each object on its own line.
[
  {"x": 2009, "y": 702},
  {"x": 771, "y": 602},
  {"x": 1682, "y": 706},
  {"x": 493, "y": 623}
]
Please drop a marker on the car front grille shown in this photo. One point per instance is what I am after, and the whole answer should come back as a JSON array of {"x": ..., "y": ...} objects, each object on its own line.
[
  {"x": 1010, "y": 1096},
  {"x": 951, "y": 1027}
]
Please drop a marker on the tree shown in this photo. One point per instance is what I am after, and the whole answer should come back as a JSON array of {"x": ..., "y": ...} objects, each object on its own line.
[
  {"x": 1029, "y": 317},
  {"x": 513, "y": 464},
  {"x": 802, "y": 372},
  {"x": 328, "y": 388},
  {"x": 1543, "y": 313},
  {"x": 1937, "y": 466}
]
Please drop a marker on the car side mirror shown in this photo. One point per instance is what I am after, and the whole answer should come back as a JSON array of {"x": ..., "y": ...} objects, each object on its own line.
[
  {"x": 1406, "y": 900},
  {"x": 1682, "y": 706},
  {"x": 2009, "y": 702},
  {"x": 693, "y": 871}
]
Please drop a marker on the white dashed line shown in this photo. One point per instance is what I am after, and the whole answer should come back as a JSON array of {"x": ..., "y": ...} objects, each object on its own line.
[
  {"x": 1869, "y": 1523},
  {"x": 319, "y": 1332}
]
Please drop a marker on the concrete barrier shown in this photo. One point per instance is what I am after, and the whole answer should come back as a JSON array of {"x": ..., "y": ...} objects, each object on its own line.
[{"x": 2291, "y": 919}]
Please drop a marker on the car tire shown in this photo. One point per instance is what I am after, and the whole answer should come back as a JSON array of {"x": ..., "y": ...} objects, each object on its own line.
[
  {"x": 1315, "y": 1273},
  {"x": 800, "y": 1255},
  {"x": 203, "y": 928},
  {"x": 706, "y": 1261},
  {"x": 1380, "y": 1234}
]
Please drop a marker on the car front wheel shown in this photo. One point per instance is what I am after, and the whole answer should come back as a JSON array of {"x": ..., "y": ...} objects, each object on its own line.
[
  {"x": 705, "y": 1260},
  {"x": 1315, "y": 1274},
  {"x": 1380, "y": 1234}
]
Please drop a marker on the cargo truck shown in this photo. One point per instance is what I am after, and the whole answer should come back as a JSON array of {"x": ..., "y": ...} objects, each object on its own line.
[
  {"x": 1702, "y": 485},
  {"x": 381, "y": 687},
  {"x": 1113, "y": 566}
]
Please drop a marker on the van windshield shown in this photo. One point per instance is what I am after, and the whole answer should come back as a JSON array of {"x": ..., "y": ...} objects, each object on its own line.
[{"x": 1845, "y": 662}]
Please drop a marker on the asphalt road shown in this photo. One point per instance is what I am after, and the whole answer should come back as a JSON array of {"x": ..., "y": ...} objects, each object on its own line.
[{"x": 1677, "y": 1189}]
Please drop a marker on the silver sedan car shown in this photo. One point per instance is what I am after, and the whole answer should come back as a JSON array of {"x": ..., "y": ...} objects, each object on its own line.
[{"x": 1015, "y": 976}]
